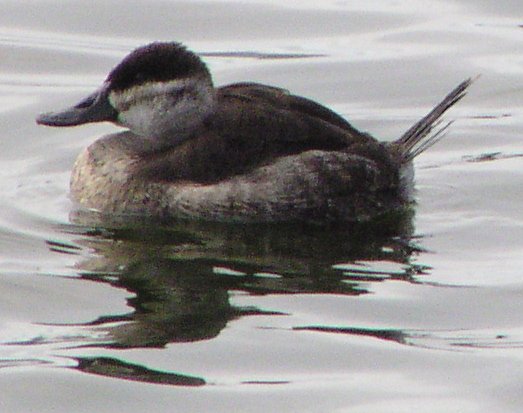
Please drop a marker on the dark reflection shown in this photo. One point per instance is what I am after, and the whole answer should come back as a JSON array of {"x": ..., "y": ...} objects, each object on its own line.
[
  {"x": 182, "y": 274},
  {"x": 176, "y": 301},
  {"x": 449, "y": 340},
  {"x": 262, "y": 56},
  {"x": 110, "y": 367},
  {"x": 395, "y": 335}
]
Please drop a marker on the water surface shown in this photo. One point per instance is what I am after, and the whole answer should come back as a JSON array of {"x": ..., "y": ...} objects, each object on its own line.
[{"x": 192, "y": 317}]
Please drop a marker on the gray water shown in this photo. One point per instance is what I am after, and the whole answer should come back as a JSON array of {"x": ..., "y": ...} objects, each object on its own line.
[{"x": 193, "y": 317}]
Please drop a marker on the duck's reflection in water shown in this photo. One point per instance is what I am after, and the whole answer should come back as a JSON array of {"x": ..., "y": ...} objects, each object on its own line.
[{"x": 181, "y": 275}]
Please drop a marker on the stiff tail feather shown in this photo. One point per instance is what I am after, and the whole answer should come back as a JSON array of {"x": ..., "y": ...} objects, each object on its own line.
[{"x": 429, "y": 129}]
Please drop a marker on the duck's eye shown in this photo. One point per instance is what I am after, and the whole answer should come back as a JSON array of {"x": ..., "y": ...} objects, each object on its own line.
[{"x": 139, "y": 77}]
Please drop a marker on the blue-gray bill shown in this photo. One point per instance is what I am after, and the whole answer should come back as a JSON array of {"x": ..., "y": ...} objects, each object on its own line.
[{"x": 94, "y": 108}]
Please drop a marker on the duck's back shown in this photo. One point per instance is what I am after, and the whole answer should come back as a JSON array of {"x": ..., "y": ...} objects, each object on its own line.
[
  {"x": 253, "y": 125},
  {"x": 282, "y": 99}
]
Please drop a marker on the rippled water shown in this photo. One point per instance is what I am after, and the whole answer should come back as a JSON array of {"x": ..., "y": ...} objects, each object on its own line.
[{"x": 194, "y": 317}]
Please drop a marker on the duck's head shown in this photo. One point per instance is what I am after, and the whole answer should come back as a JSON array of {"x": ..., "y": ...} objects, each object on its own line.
[{"x": 161, "y": 91}]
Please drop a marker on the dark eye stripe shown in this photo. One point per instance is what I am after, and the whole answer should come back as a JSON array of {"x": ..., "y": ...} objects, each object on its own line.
[{"x": 179, "y": 92}]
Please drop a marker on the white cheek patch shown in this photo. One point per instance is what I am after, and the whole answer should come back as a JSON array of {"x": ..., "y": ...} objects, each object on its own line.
[
  {"x": 157, "y": 109},
  {"x": 140, "y": 107},
  {"x": 137, "y": 118}
]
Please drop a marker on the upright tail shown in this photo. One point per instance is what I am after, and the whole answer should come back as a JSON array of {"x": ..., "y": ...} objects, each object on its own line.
[{"x": 429, "y": 129}]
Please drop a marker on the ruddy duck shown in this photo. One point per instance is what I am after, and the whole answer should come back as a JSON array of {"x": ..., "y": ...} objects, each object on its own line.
[{"x": 244, "y": 152}]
